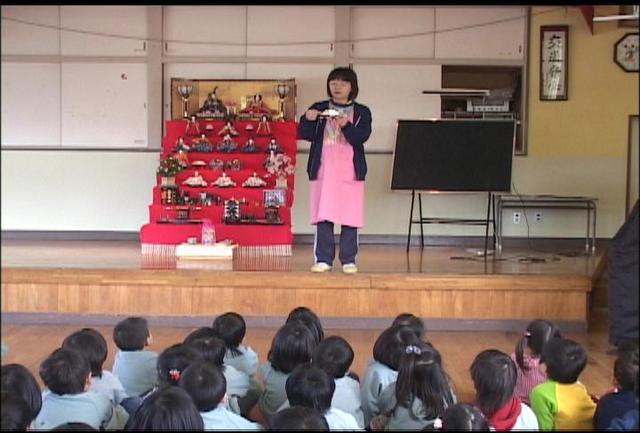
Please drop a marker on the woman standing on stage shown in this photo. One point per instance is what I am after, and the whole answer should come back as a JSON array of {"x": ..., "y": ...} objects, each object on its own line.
[{"x": 337, "y": 129}]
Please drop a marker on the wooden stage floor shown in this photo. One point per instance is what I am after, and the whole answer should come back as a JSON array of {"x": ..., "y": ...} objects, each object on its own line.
[
  {"x": 372, "y": 259},
  {"x": 453, "y": 287}
]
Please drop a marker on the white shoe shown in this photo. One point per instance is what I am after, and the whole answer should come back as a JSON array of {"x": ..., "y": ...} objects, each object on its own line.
[
  {"x": 349, "y": 268},
  {"x": 320, "y": 267}
]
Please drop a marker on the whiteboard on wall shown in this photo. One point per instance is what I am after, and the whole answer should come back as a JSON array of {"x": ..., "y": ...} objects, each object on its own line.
[
  {"x": 104, "y": 105},
  {"x": 30, "y": 104},
  {"x": 394, "y": 92}
]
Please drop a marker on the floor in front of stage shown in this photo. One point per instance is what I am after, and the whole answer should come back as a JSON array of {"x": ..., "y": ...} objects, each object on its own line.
[
  {"x": 540, "y": 260},
  {"x": 29, "y": 344}
]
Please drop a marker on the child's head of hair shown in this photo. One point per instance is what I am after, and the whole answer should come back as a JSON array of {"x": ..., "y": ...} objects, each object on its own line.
[
  {"x": 15, "y": 412},
  {"x": 65, "y": 371},
  {"x": 174, "y": 360},
  {"x": 232, "y": 328},
  {"x": 420, "y": 375},
  {"x": 298, "y": 418},
  {"x": 205, "y": 383},
  {"x": 334, "y": 355},
  {"x": 131, "y": 334},
  {"x": 92, "y": 345},
  {"x": 412, "y": 321},
  {"x": 309, "y": 319},
  {"x": 310, "y": 386},
  {"x": 212, "y": 349},
  {"x": 74, "y": 426},
  {"x": 18, "y": 380},
  {"x": 494, "y": 376},
  {"x": 344, "y": 74},
  {"x": 292, "y": 345},
  {"x": 464, "y": 417},
  {"x": 536, "y": 336},
  {"x": 202, "y": 332},
  {"x": 391, "y": 344},
  {"x": 167, "y": 408},
  {"x": 625, "y": 368},
  {"x": 564, "y": 360}
]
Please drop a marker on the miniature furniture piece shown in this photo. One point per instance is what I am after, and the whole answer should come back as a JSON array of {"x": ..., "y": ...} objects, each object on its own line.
[{"x": 254, "y": 230}]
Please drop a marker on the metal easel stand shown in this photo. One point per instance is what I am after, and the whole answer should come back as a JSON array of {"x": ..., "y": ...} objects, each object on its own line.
[{"x": 489, "y": 220}]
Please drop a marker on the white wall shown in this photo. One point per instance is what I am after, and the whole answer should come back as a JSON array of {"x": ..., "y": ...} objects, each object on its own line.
[
  {"x": 111, "y": 190},
  {"x": 71, "y": 190}
]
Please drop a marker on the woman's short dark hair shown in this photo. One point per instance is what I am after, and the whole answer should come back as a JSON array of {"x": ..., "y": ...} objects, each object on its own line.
[
  {"x": 391, "y": 344},
  {"x": 292, "y": 345},
  {"x": 173, "y": 361},
  {"x": 297, "y": 418},
  {"x": 205, "y": 383},
  {"x": 131, "y": 334},
  {"x": 232, "y": 328},
  {"x": 15, "y": 412},
  {"x": 65, "y": 371},
  {"x": 212, "y": 349},
  {"x": 412, "y": 321},
  {"x": 309, "y": 319},
  {"x": 310, "y": 386},
  {"x": 167, "y": 408},
  {"x": 464, "y": 417},
  {"x": 92, "y": 345},
  {"x": 494, "y": 376},
  {"x": 344, "y": 74},
  {"x": 334, "y": 355},
  {"x": 18, "y": 380},
  {"x": 565, "y": 360}
]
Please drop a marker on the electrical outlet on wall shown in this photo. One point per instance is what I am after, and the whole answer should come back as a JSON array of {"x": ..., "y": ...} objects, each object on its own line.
[
  {"x": 537, "y": 216},
  {"x": 517, "y": 217}
]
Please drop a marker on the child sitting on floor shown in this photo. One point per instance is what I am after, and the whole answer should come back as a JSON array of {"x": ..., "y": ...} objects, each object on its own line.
[
  {"x": 311, "y": 386},
  {"x": 562, "y": 402},
  {"x": 625, "y": 395},
  {"x": 527, "y": 356},
  {"x": 335, "y": 356},
  {"x": 93, "y": 346},
  {"x": 292, "y": 345},
  {"x": 382, "y": 370},
  {"x": 494, "y": 376},
  {"x": 421, "y": 394},
  {"x": 134, "y": 366},
  {"x": 206, "y": 385},
  {"x": 167, "y": 408},
  {"x": 67, "y": 375},
  {"x": 18, "y": 381},
  {"x": 212, "y": 349}
]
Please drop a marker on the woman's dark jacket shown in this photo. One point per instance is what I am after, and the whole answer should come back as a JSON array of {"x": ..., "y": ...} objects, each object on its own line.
[{"x": 356, "y": 134}]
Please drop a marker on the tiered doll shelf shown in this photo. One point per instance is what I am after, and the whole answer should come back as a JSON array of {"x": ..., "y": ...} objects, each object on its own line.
[{"x": 171, "y": 224}]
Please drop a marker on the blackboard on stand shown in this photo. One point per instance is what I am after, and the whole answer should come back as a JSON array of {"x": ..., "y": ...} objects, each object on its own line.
[{"x": 453, "y": 155}]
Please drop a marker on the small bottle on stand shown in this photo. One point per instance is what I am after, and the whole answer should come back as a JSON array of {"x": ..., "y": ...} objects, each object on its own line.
[{"x": 208, "y": 232}]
